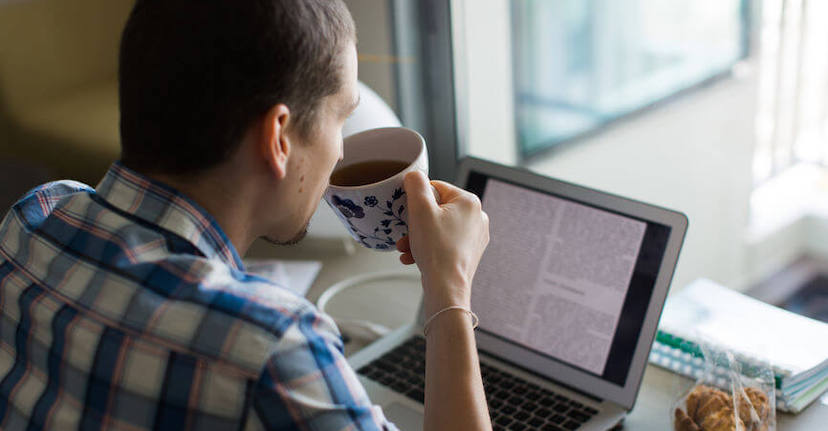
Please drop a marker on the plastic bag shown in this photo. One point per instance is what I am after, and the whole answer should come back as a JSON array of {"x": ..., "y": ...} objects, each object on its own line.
[{"x": 728, "y": 396}]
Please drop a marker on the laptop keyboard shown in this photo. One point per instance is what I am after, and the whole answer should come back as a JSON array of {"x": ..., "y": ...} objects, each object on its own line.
[{"x": 514, "y": 403}]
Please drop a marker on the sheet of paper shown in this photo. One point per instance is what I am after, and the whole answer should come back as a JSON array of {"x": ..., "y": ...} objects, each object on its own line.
[{"x": 295, "y": 275}]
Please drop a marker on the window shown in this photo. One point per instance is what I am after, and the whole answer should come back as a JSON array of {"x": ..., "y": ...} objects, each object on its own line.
[
  {"x": 580, "y": 64},
  {"x": 792, "y": 122}
]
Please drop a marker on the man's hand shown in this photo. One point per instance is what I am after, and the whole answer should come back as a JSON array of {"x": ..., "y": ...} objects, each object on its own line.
[{"x": 445, "y": 240}]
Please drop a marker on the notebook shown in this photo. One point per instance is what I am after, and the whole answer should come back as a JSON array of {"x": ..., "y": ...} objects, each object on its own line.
[
  {"x": 756, "y": 332},
  {"x": 568, "y": 292}
]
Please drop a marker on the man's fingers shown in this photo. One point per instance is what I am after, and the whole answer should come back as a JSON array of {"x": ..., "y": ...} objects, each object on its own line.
[
  {"x": 447, "y": 192},
  {"x": 443, "y": 188},
  {"x": 403, "y": 245},
  {"x": 418, "y": 191},
  {"x": 407, "y": 259}
]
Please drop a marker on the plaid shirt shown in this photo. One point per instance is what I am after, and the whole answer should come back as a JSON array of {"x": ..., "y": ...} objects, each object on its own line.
[{"x": 128, "y": 308}]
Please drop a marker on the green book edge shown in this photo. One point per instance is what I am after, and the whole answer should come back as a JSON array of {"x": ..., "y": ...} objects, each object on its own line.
[{"x": 693, "y": 349}]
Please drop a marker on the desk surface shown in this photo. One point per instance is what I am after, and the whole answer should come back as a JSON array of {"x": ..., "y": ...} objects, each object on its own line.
[{"x": 658, "y": 390}]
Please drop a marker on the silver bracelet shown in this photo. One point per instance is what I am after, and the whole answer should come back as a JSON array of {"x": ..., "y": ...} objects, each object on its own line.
[{"x": 475, "y": 320}]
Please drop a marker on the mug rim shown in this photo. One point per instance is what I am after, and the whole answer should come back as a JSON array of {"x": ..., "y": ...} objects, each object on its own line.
[{"x": 411, "y": 167}]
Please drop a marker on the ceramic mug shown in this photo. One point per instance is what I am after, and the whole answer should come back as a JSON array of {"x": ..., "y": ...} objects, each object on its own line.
[{"x": 375, "y": 214}]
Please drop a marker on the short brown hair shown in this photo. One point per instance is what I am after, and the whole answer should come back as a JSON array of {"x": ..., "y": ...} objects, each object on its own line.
[{"x": 195, "y": 74}]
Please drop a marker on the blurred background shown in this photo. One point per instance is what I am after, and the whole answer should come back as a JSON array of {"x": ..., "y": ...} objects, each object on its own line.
[{"x": 717, "y": 108}]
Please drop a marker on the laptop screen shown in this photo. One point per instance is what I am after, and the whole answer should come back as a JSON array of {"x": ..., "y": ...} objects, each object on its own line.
[{"x": 567, "y": 280}]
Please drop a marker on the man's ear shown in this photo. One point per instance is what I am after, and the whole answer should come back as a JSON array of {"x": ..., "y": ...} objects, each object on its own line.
[{"x": 274, "y": 142}]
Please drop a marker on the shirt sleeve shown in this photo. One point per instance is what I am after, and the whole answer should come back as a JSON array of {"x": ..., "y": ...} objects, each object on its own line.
[{"x": 307, "y": 384}]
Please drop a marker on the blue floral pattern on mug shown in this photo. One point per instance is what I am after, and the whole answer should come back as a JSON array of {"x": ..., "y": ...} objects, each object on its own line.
[
  {"x": 391, "y": 225},
  {"x": 348, "y": 208}
]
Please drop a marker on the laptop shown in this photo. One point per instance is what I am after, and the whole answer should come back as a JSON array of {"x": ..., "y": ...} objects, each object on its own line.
[{"x": 569, "y": 293}]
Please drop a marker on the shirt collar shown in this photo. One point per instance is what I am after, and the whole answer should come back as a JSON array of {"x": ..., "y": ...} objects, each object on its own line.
[{"x": 166, "y": 207}]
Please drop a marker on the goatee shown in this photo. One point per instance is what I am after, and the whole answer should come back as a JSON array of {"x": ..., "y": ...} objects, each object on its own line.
[{"x": 298, "y": 237}]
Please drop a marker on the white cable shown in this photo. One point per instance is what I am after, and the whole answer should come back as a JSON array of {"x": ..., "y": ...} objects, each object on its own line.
[{"x": 363, "y": 329}]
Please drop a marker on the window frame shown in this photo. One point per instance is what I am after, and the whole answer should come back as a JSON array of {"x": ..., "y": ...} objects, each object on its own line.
[{"x": 426, "y": 86}]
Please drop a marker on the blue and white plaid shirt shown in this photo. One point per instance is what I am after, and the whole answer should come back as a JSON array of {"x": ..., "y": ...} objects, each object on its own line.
[{"x": 127, "y": 308}]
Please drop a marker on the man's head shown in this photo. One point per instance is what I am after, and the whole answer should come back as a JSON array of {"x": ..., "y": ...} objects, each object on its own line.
[
  {"x": 195, "y": 75},
  {"x": 261, "y": 86}
]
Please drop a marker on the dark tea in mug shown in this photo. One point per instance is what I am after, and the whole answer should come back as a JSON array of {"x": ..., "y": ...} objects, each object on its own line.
[{"x": 368, "y": 172}]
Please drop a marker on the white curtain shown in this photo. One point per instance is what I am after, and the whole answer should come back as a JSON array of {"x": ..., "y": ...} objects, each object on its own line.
[{"x": 792, "y": 120}]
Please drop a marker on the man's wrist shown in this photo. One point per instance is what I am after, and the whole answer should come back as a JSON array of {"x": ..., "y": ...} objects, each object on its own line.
[
  {"x": 442, "y": 293},
  {"x": 449, "y": 324},
  {"x": 434, "y": 305},
  {"x": 455, "y": 309}
]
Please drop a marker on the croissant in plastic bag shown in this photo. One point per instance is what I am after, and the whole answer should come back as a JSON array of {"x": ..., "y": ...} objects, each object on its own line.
[{"x": 748, "y": 403}]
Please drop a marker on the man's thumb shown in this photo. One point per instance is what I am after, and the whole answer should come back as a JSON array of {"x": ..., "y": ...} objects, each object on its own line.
[{"x": 418, "y": 189}]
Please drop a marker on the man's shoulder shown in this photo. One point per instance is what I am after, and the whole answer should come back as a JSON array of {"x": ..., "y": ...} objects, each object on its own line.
[
  {"x": 149, "y": 282},
  {"x": 188, "y": 304},
  {"x": 222, "y": 314},
  {"x": 36, "y": 204},
  {"x": 203, "y": 307}
]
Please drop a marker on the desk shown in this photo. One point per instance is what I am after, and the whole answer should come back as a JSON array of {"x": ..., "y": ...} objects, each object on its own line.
[{"x": 658, "y": 390}]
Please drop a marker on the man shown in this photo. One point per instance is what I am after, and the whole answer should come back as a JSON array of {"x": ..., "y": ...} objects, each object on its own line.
[{"x": 127, "y": 306}]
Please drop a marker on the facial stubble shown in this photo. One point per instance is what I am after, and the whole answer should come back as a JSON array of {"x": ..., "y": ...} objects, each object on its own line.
[{"x": 293, "y": 241}]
